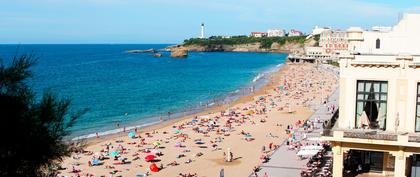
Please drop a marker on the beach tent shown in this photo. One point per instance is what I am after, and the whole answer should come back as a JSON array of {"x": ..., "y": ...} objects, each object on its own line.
[
  {"x": 132, "y": 134},
  {"x": 149, "y": 158},
  {"x": 114, "y": 154}
]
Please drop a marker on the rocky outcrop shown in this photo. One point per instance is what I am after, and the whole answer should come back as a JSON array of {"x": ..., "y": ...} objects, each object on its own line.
[
  {"x": 157, "y": 55},
  {"x": 287, "y": 47},
  {"x": 275, "y": 46},
  {"x": 141, "y": 51},
  {"x": 179, "y": 52}
]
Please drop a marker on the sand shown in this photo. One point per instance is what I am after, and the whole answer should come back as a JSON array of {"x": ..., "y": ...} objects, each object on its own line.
[{"x": 306, "y": 86}]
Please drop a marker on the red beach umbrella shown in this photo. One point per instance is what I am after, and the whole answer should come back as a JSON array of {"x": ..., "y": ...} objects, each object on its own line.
[
  {"x": 149, "y": 158},
  {"x": 154, "y": 168}
]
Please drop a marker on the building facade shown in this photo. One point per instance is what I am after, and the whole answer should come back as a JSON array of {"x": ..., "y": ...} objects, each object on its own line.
[
  {"x": 383, "y": 40},
  {"x": 294, "y": 32},
  {"x": 316, "y": 53},
  {"x": 276, "y": 33},
  {"x": 378, "y": 129},
  {"x": 333, "y": 41}
]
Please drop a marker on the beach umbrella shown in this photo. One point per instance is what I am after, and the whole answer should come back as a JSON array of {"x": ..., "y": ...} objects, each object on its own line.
[
  {"x": 156, "y": 143},
  {"x": 194, "y": 120},
  {"x": 178, "y": 131},
  {"x": 114, "y": 154},
  {"x": 149, "y": 158},
  {"x": 154, "y": 168},
  {"x": 248, "y": 135},
  {"x": 131, "y": 134}
]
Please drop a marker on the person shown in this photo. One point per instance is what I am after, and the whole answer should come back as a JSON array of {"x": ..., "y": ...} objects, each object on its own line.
[{"x": 265, "y": 174}]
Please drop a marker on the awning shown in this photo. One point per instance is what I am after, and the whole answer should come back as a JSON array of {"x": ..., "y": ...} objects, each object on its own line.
[{"x": 304, "y": 152}]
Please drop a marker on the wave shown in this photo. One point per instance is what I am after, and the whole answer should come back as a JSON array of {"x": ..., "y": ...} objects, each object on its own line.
[
  {"x": 113, "y": 131},
  {"x": 257, "y": 82}
]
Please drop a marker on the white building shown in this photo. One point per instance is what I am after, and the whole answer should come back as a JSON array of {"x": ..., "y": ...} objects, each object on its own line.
[
  {"x": 317, "y": 30},
  {"x": 378, "y": 127},
  {"x": 316, "y": 52},
  {"x": 276, "y": 33},
  {"x": 333, "y": 41},
  {"x": 294, "y": 32},
  {"x": 258, "y": 34},
  {"x": 382, "y": 28},
  {"x": 202, "y": 31},
  {"x": 383, "y": 42}
]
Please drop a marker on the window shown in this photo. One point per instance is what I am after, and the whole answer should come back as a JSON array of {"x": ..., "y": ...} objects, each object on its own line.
[
  {"x": 371, "y": 104},
  {"x": 378, "y": 44},
  {"x": 418, "y": 109}
]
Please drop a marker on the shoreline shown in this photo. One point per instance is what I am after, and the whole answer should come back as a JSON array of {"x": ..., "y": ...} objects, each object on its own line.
[
  {"x": 217, "y": 106},
  {"x": 307, "y": 83}
]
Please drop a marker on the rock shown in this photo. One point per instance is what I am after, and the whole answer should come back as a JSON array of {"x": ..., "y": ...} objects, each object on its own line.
[
  {"x": 275, "y": 46},
  {"x": 141, "y": 51},
  {"x": 157, "y": 55},
  {"x": 179, "y": 52},
  {"x": 240, "y": 49}
]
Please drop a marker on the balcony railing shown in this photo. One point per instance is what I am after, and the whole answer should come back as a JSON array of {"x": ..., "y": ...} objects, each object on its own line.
[
  {"x": 414, "y": 138},
  {"x": 370, "y": 135},
  {"x": 327, "y": 129}
]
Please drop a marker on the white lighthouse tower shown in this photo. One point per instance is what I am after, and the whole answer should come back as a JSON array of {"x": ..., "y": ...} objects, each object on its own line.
[{"x": 202, "y": 31}]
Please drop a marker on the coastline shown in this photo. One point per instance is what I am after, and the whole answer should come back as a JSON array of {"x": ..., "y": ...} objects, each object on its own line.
[
  {"x": 261, "y": 83},
  {"x": 247, "y": 153}
]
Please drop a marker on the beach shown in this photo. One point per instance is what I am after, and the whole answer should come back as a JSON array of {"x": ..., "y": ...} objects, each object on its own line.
[{"x": 250, "y": 128}]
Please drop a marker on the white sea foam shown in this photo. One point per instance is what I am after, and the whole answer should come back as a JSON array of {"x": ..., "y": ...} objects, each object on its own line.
[{"x": 113, "y": 131}]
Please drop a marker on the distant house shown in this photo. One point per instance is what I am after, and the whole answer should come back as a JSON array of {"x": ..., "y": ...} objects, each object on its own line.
[
  {"x": 294, "y": 32},
  {"x": 258, "y": 34},
  {"x": 276, "y": 33}
]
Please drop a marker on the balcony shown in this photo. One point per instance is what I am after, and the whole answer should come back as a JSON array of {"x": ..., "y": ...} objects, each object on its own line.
[{"x": 369, "y": 136}]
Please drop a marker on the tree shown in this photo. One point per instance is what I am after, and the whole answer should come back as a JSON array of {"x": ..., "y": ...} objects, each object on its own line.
[{"x": 33, "y": 130}]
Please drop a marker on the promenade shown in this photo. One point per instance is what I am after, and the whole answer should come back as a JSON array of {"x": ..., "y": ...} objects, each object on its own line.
[{"x": 284, "y": 162}]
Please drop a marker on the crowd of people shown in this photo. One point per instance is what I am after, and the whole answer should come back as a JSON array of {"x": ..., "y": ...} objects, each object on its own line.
[{"x": 196, "y": 140}]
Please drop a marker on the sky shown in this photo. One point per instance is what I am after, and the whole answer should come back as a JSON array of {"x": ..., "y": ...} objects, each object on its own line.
[{"x": 172, "y": 21}]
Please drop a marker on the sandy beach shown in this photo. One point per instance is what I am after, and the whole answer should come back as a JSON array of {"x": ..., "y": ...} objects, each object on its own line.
[{"x": 201, "y": 144}]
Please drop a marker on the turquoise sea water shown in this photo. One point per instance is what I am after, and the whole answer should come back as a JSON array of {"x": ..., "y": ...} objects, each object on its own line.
[{"x": 136, "y": 88}]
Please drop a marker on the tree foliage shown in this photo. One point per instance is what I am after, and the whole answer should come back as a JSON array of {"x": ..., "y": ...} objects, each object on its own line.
[
  {"x": 265, "y": 42},
  {"x": 32, "y": 129}
]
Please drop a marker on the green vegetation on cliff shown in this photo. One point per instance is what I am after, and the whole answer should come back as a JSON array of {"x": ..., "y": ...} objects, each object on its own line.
[{"x": 266, "y": 42}]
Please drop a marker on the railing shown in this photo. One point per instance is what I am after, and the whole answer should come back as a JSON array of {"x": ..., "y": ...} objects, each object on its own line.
[
  {"x": 370, "y": 135},
  {"x": 327, "y": 129},
  {"x": 414, "y": 138}
]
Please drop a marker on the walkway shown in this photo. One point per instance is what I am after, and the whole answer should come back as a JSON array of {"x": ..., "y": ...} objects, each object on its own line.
[{"x": 284, "y": 163}]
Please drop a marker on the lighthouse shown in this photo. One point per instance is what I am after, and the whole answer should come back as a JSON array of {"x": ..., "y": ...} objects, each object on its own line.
[{"x": 202, "y": 31}]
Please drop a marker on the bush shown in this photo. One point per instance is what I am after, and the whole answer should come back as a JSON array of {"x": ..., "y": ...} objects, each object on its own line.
[{"x": 265, "y": 42}]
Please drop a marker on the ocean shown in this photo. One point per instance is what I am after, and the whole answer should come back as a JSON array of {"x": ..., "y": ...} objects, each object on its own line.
[{"x": 136, "y": 89}]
